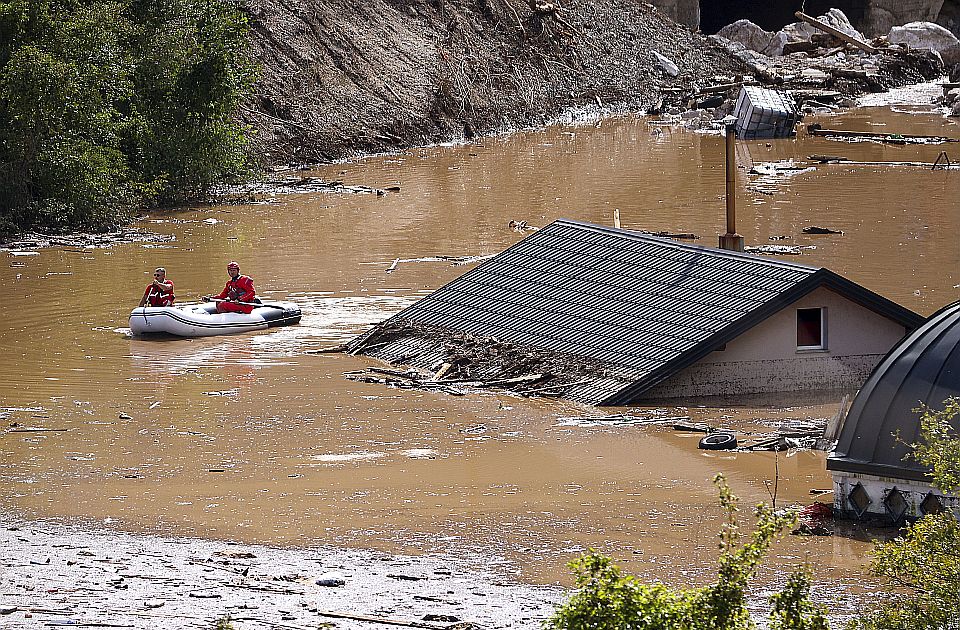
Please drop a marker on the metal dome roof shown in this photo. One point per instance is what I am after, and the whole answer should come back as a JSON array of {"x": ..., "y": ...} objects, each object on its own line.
[{"x": 923, "y": 368}]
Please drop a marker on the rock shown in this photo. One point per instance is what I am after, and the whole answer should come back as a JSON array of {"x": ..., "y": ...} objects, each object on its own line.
[
  {"x": 956, "y": 109},
  {"x": 923, "y": 35},
  {"x": 755, "y": 38},
  {"x": 952, "y": 96},
  {"x": 883, "y": 14},
  {"x": 668, "y": 66},
  {"x": 814, "y": 74},
  {"x": 951, "y": 55},
  {"x": 153, "y": 603},
  {"x": 736, "y": 49},
  {"x": 331, "y": 579}
]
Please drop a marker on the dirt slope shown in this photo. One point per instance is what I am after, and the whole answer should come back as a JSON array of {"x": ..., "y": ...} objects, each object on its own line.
[{"x": 341, "y": 78}]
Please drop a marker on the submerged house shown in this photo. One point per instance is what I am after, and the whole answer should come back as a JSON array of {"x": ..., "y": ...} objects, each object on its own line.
[
  {"x": 613, "y": 317},
  {"x": 870, "y": 475}
]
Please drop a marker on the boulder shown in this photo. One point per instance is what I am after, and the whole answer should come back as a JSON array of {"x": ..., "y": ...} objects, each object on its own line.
[
  {"x": 803, "y": 32},
  {"x": 881, "y": 15},
  {"x": 755, "y": 38},
  {"x": 923, "y": 35},
  {"x": 950, "y": 55}
]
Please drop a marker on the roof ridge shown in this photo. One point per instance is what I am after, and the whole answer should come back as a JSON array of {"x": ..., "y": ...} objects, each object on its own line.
[{"x": 667, "y": 242}]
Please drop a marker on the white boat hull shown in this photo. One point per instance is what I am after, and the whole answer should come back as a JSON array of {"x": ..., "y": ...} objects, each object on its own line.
[{"x": 202, "y": 320}]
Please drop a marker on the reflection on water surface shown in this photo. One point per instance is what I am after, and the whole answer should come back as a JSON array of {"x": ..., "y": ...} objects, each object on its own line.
[{"x": 253, "y": 437}]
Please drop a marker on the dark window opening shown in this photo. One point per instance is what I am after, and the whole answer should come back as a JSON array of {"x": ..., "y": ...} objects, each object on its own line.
[
  {"x": 772, "y": 16},
  {"x": 810, "y": 328}
]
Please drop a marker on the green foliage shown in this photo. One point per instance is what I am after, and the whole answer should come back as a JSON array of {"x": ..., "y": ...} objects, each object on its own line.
[
  {"x": 940, "y": 445},
  {"x": 606, "y": 599},
  {"x": 792, "y": 608},
  {"x": 223, "y": 624},
  {"x": 924, "y": 563},
  {"x": 107, "y": 104}
]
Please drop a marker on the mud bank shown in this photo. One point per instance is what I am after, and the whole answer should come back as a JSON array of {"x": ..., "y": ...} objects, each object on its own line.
[
  {"x": 348, "y": 78},
  {"x": 68, "y": 576},
  {"x": 342, "y": 79}
]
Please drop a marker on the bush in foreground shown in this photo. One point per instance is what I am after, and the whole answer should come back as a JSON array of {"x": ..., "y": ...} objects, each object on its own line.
[
  {"x": 924, "y": 563},
  {"x": 606, "y": 599}
]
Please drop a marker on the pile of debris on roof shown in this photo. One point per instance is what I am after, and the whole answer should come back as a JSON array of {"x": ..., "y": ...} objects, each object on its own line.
[{"x": 453, "y": 362}]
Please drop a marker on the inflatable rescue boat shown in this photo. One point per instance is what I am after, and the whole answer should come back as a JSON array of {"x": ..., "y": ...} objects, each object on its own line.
[{"x": 203, "y": 320}]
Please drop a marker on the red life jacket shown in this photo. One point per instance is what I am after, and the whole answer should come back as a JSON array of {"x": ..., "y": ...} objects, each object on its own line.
[
  {"x": 156, "y": 297},
  {"x": 239, "y": 290}
]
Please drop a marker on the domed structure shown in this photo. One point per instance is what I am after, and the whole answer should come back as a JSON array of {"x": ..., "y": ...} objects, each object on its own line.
[{"x": 870, "y": 474}]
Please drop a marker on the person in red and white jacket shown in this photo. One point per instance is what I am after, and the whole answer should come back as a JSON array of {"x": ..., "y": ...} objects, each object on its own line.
[
  {"x": 237, "y": 295},
  {"x": 160, "y": 291}
]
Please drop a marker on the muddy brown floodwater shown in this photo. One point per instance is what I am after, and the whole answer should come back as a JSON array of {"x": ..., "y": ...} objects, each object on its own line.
[{"x": 252, "y": 438}]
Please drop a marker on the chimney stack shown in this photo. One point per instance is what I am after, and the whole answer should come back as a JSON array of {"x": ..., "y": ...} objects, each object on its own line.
[{"x": 731, "y": 240}]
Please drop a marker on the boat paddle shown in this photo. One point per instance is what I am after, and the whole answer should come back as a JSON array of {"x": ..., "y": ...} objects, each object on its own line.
[{"x": 253, "y": 304}]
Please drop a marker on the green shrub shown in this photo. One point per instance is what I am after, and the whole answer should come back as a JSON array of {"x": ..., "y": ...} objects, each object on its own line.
[
  {"x": 606, "y": 599},
  {"x": 924, "y": 563}
]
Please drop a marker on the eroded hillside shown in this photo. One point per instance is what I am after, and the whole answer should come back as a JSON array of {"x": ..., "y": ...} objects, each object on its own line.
[{"x": 342, "y": 78}]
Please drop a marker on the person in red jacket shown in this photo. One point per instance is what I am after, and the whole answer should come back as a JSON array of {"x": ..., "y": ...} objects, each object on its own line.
[
  {"x": 237, "y": 294},
  {"x": 160, "y": 291}
]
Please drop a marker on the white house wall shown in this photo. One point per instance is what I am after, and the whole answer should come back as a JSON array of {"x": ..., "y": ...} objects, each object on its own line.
[
  {"x": 877, "y": 488},
  {"x": 766, "y": 359}
]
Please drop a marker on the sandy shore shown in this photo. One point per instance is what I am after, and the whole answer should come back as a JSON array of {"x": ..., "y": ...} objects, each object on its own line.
[{"x": 54, "y": 575}]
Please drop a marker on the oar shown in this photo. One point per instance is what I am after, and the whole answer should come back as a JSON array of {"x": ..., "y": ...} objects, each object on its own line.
[{"x": 253, "y": 304}]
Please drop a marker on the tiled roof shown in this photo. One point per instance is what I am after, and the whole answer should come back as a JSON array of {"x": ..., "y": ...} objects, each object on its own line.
[{"x": 643, "y": 306}]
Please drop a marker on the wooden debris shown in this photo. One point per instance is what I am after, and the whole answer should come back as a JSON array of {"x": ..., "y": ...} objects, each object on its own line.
[
  {"x": 315, "y": 184},
  {"x": 815, "y": 229},
  {"x": 521, "y": 226},
  {"x": 666, "y": 234},
  {"x": 383, "y": 620},
  {"x": 826, "y": 28},
  {"x": 34, "y": 430},
  {"x": 455, "y": 261},
  {"x": 890, "y": 138},
  {"x": 783, "y": 250},
  {"x": 695, "y": 427},
  {"x": 724, "y": 87},
  {"x": 340, "y": 347},
  {"x": 823, "y": 159}
]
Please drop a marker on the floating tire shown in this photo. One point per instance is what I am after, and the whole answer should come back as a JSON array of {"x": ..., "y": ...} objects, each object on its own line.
[{"x": 720, "y": 441}]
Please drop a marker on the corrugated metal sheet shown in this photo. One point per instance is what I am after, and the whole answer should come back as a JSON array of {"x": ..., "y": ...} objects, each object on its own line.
[{"x": 636, "y": 303}]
